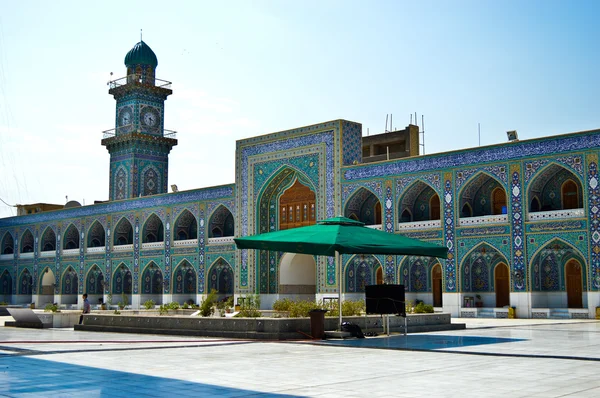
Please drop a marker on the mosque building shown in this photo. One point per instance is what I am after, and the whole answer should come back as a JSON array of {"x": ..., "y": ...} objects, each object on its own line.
[{"x": 520, "y": 219}]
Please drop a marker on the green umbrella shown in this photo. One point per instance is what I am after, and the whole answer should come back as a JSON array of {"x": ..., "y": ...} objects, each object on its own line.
[{"x": 337, "y": 235}]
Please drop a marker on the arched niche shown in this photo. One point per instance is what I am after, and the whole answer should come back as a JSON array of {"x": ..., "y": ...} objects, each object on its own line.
[
  {"x": 186, "y": 226},
  {"x": 482, "y": 195},
  {"x": 297, "y": 275},
  {"x": 364, "y": 206},
  {"x": 123, "y": 233},
  {"x": 220, "y": 278},
  {"x": 8, "y": 244},
  {"x": 555, "y": 188},
  {"x": 221, "y": 223},
  {"x": 96, "y": 235},
  {"x": 48, "y": 241},
  {"x": 419, "y": 202},
  {"x": 153, "y": 230},
  {"x": 71, "y": 238}
]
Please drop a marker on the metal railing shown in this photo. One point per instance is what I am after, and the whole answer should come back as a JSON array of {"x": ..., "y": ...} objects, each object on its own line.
[
  {"x": 139, "y": 79},
  {"x": 128, "y": 129}
]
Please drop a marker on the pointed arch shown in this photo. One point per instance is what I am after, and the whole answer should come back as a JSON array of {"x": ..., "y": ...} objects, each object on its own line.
[
  {"x": 295, "y": 204},
  {"x": 499, "y": 201},
  {"x": 96, "y": 236},
  {"x": 477, "y": 268},
  {"x": 570, "y": 195},
  {"x": 152, "y": 280},
  {"x": 48, "y": 241},
  {"x": 25, "y": 283},
  {"x": 8, "y": 244},
  {"x": 123, "y": 233},
  {"x": 184, "y": 278},
  {"x": 70, "y": 282},
  {"x": 5, "y": 286},
  {"x": 94, "y": 281},
  {"x": 150, "y": 181},
  {"x": 556, "y": 188},
  {"x": 574, "y": 283},
  {"x": 221, "y": 223},
  {"x": 360, "y": 271},
  {"x": 153, "y": 230},
  {"x": 269, "y": 216},
  {"x": 419, "y": 200},
  {"x": 220, "y": 277},
  {"x": 548, "y": 266},
  {"x": 27, "y": 242},
  {"x": 186, "y": 226},
  {"x": 437, "y": 284},
  {"x": 502, "y": 284},
  {"x": 366, "y": 205},
  {"x": 121, "y": 183},
  {"x": 480, "y": 193},
  {"x": 71, "y": 238},
  {"x": 47, "y": 281},
  {"x": 122, "y": 281}
]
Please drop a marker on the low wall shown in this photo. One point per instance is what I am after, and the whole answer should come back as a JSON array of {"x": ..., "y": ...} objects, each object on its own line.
[{"x": 254, "y": 328}]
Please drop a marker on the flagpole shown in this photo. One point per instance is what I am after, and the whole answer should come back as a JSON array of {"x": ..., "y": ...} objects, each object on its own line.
[{"x": 339, "y": 267}]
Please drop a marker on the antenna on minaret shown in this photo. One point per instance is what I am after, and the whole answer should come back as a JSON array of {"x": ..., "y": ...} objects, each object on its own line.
[{"x": 140, "y": 35}]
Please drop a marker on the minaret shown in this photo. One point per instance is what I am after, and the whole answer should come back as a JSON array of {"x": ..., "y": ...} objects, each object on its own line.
[{"x": 139, "y": 145}]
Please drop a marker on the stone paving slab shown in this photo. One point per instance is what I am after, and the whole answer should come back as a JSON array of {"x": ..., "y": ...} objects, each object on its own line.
[{"x": 520, "y": 358}]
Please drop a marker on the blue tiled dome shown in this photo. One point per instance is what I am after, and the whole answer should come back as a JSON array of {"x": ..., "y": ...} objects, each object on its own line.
[{"x": 141, "y": 54}]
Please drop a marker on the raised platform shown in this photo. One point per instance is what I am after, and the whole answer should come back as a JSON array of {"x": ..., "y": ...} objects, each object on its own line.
[{"x": 254, "y": 328}]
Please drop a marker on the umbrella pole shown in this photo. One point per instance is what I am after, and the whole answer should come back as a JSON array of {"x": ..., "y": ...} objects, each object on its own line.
[{"x": 338, "y": 263}]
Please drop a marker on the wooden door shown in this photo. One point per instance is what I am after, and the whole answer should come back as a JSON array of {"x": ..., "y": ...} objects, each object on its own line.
[
  {"x": 436, "y": 285},
  {"x": 379, "y": 276},
  {"x": 502, "y": 285},
  {"x": 297, "y": 207},
  {"x": 570, "y": 196},
  {"x": 574, "y": 284},
  {"x": 498, "y": 201}
]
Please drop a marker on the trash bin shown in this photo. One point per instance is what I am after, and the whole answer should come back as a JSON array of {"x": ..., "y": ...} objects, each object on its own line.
[{"x": 317, "y": 323}]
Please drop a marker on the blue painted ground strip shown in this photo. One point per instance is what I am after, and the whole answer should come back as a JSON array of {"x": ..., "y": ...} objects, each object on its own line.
[
  {"x": 420, "y": 342},
  {"x": 22, "y": 376}
]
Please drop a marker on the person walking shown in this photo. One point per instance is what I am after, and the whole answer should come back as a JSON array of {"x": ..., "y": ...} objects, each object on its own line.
[{"x": 87, "y": 308}]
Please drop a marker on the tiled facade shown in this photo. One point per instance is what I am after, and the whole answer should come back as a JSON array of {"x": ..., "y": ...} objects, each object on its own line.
[{"x": 520, "y": 220}]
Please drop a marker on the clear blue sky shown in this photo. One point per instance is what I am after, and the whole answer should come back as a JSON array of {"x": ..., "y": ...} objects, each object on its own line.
[{"x": 246, "y": 68}]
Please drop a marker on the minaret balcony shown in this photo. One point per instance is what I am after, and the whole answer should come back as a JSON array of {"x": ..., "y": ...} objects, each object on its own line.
[
  {"x": 135, "y": 81},
  {"x": 134, "y": 129},
  {"x": 139, "y": 80}
]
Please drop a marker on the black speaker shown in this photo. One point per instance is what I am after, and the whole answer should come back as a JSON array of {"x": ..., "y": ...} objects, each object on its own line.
[{"x": 385, "y": 299}]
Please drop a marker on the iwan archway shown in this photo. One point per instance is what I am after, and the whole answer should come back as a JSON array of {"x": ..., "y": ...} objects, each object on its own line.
[
  {"x": 288, "y": 200},
  {"x": 297, "y": 276}
]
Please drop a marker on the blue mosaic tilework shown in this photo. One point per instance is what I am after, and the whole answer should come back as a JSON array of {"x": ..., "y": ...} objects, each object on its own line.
[
  {"x": 349, "y": 189},
  {"x": 498, "y": 171},
  {"x": 167, "y": 278},
  {"x": 504, "y": 152},
  {"x": 225, "y": 191},
  {"x": 450, "y": 268},
  {"x": 573, "y": 162},
  {"x": 136, "y": 256},
  {"x": 594, "y": 214},
  {"x": 518, "y": 237},
  {"x": 388, "y": 209},
  {"x": 351, "y": 142},
  {"x": 201, "y": 248}
]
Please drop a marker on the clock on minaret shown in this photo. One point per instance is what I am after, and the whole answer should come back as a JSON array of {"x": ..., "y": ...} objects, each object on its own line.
[{"x": 139, "y": 147}]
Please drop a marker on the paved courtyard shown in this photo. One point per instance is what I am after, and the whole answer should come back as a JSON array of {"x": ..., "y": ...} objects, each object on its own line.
[{"x": 491, "y": 358}]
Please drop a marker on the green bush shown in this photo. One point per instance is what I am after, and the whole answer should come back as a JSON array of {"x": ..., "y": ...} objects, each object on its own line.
[
  {"x": 410, "y": 307},
  {"x": 51, "y": 308},
  {"x": 185, "y": 306},
  {"x": 149, "y": 304},
  {"x": 163, "y": 309},
  {"x": 207, "y": 305},
  {"x": 302, "y": 308},
  {"x": 282, "y": 304},
  {"x": 349, "y": 308},
  {"x": 423, "y": 308},
  {"x": 249, "y": 307},
  {"x": 174, "y": 305}
]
